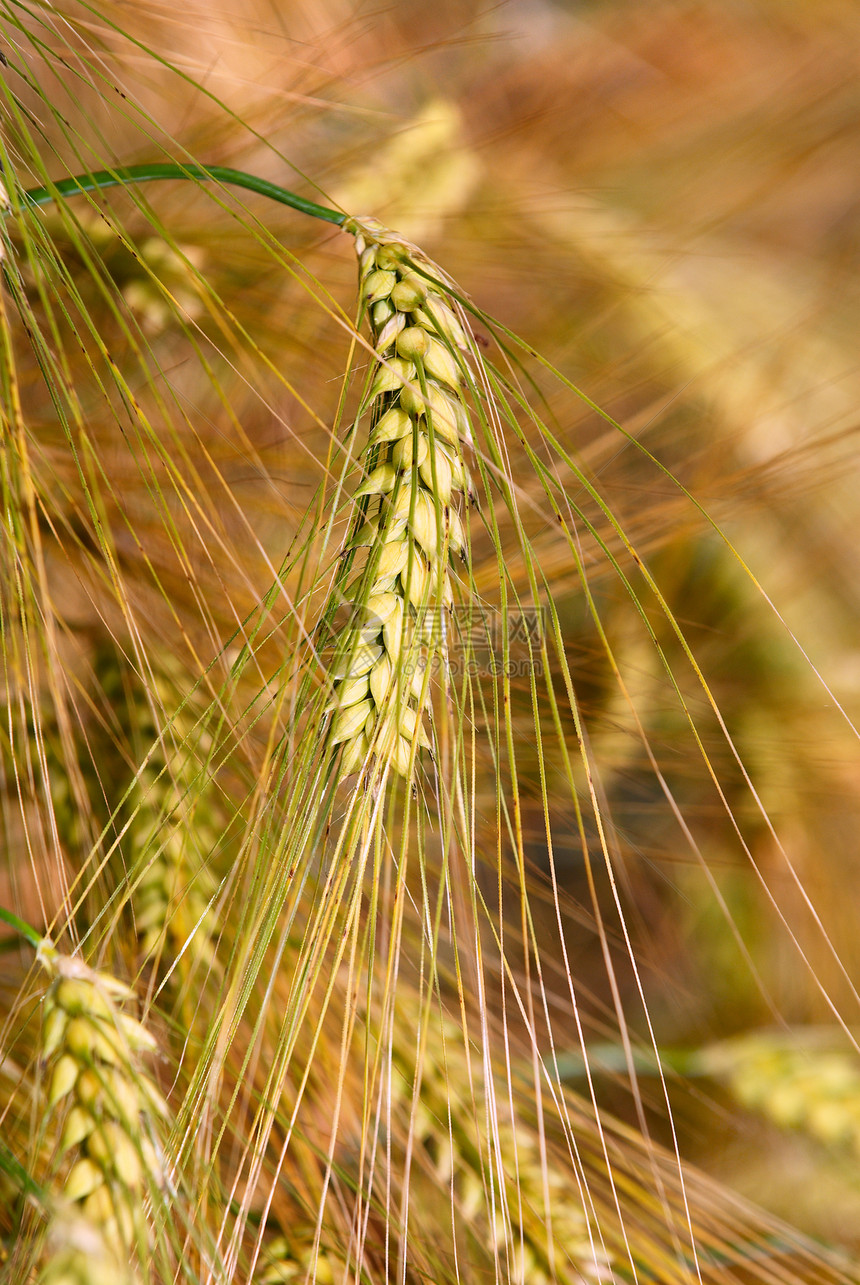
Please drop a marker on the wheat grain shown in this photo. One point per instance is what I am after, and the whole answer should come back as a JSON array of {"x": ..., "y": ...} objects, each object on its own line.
[{"x": 414, "y": 469}]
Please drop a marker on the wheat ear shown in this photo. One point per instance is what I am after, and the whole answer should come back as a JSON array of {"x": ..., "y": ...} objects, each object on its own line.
[
  {"x": 79, "y": 1254},
  {"x": 295, "y": 1260},
  {"x": 799, "y": 1082},
  {"x": 95, "y": 1053},
  {"x": 414, "y": 470},
  {"x": 173, "y": 825},
  {"x": 500, "y": 1182}
]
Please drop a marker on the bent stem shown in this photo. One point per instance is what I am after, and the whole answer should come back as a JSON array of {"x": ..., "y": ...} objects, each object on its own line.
[{"x": 156, "y": 172}]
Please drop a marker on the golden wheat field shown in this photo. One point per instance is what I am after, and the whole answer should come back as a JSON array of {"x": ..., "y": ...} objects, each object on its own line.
[{"x": 429, "y": 616}]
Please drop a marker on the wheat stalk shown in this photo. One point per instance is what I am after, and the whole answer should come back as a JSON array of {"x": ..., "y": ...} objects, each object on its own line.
[
  {"x": 414, "y": 470},
  {"x": 94, "y": 1053}
]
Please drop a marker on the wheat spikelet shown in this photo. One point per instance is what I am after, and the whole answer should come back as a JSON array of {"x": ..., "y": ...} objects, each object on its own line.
[
  {"x": 414, "y": 468},
  {"x": 94, "y": 1053}
]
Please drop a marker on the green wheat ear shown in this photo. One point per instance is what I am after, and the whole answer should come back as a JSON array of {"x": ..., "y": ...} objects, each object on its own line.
[
  {"x": 95, "y": 1056},
  {"x": 411, "y": 525}
]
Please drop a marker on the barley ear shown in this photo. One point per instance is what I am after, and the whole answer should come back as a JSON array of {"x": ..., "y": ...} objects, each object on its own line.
[
  {"x": 173, "y": 824},
  {"x": 415, "y": 476},
  {"x": 506, "y": 1221},
  {"x": 295, "y": 1260},
  {"x": 80, "y": 1254},
  {"x": 802, "y": 1081},
  {"x": 108, "y": 1113}
]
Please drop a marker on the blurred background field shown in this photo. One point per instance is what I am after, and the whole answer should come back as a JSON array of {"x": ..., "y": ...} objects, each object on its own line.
[{"x": 663, "y": 200}]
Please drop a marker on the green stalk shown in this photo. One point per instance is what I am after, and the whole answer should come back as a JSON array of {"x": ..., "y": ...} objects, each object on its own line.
[
  {"x": 21, "y": 928},
  {"x": 147, "y": 173}
]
